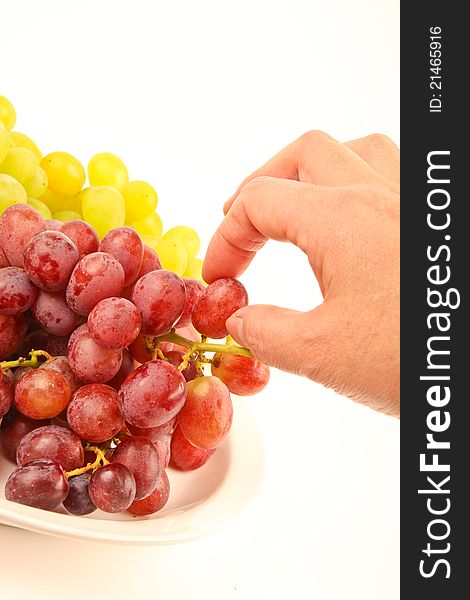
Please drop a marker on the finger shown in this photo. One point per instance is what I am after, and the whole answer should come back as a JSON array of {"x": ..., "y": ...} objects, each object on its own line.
[
  {"x": 317, "y": 158},
  {"x": 381, "y": 153},
  {"x": 279, "y": 209}
]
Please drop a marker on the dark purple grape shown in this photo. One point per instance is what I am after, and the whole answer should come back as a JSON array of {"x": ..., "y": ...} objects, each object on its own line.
[
  {"x": 153, "y": 394},
  {"x": 112, "y": 488},
  {"x": 35, "y": 340},
  {"x": 53, "y": 313},
  {"x": 90, "y": 362},
  {"x": 216, "y": 304},
  {"x": 42, "y": 394},
  {"x": 97, "y": 276},
  {"x": 18, "y": 224},
  {"x": 93, "y": 413},
  {"x": 140, "y": 456},
  {"x": 51, "y": 442},
  {"x": 13, "y": 428},
  {"x": 17, "y": 293},
  {"x": 57, "y": 345},
  {"x": 78, "y": 501},
  {"x": 176, "y": 358},
  {"x": 40, "y": 483},
  {"x": 49, "y": 259},
  {"x": 61, "y": 365},
  {"x": 83, "y": 235},
  {"x": 194, "y": 289},
  {"x": 114, "y": 323},
  {"x": 160, "y": 297},
  {"x": 126, "y": 246},
  {"x": 6, "y": 391},
  {"x": 12, "y": 333},
  {"x": 156, "y": 501}
]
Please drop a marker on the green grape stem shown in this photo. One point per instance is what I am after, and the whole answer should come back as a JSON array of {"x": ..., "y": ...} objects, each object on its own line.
[
  {"x": 201, "y": 347},
  {"x": 27, "y": 362}
]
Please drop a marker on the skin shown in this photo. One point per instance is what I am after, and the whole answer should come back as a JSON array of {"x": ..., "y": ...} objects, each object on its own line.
[{"x": 340, "y": 204}]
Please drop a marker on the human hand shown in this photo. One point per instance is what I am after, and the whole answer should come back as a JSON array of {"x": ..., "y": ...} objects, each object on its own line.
[{"x": 339, "y": 203}]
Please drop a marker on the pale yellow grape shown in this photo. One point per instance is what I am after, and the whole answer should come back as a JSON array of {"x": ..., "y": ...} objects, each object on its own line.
[
  {"x": 42, "y": 208},
  {"x": 11, "y": 192},
  {"x": 55, "y": 202},
  {"x": 104, "y": 208},
  {"x": 107, "y": 169},
  {"x": 36, "y": 185},
  {"x": 23, "y": 141},
  {"x": 19, "y": 163},
  {"x": 186, "y": 236},
  {"x": 194, "y": 269},
  {"x": 66, "y": 215},
  {"x": 150, "y": 241},
  {"x": 151, "y": 226},
  {"x": 4, "y": 141},
  {"x": 7, "y": 113},
  {"x": 65, "y": 173},
  {"x": 141, "y": 200},
  {"x": 172, "y": 255}
]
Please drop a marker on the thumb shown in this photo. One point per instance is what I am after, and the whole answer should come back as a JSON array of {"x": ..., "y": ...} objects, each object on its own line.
[{"x": 278, "y": 337}]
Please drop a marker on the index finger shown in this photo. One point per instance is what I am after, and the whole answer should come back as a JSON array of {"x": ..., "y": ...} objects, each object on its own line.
[{"x": 272, "y": 208}]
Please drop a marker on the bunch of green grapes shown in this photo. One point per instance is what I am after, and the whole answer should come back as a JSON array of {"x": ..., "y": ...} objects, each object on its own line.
[{"x": 55, "y": 185}]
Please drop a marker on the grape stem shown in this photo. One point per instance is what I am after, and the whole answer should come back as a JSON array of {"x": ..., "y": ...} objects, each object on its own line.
[
  {"x": 100, "y": 460},
  {"x": 27, "y": 362},
  {"x": 202, "y": 346}
]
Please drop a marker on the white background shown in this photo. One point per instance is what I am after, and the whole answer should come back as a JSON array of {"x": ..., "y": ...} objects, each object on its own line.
[{"x": 194, "y": 96}]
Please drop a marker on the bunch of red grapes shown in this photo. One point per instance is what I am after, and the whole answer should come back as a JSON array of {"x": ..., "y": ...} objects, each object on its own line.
[{"x": 103, "y": 384}]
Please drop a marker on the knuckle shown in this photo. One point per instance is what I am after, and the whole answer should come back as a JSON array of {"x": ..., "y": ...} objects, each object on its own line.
[
  {"x": 314, "y": 137},
  {"x": 378, "y": 140},
  {"x": 256, "y": 184}
]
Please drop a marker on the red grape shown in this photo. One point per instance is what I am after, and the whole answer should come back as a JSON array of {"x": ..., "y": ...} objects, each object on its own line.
[
  {"x": 3, "y": 259},
  {"x": 126, "y": 246},
  {"x": 163, "y": 447},
  {"x": 40, "y": 483},
  {"x": 61, "y": 365},
  {"x": 150, "y": 262},
  {"x": 216, "y": 304},
  {"x": 126, "y": 368},
  {"x": 206, "y": 416},
  {"x": 53, "y": 225},
  {"x": 53, "y": 313},
  {"x": 176, "y": 357},
  {"x": 153, "y": 433},
  {"x": 138, "y": 348},
  {"x": 95, "y": 277},
  {"x": 51, "y": 442},
  {"x": 185, "y": 456},
  {"x": 18, "y": 224},
  {"x": 160, "y": 297},
  {"x": 114, "y": 323},
  {"x": 57, "y": 345},
  {"x": 83, "y": 235},
  {"x": 155, "y": 502},
  {"x": 112, "y": 488},
  {"x": 153, "y": 394},
  {"x": 140, "y": 456},
  {"x": 13, "y": 428},
  {"x": 6, "y": 392},
  {"x": 78, "y": 501},
  {"x": 90, "y": 362},
  {"x": 12, "y": 333},
  {"x": 17, "y": 293},
  {"x": 20, "y": 372},
  {"x": 42, "y": 394},
  {"x": 243, "y": 375},
  {"x": 35, "y": 340},
  {"x": 194, "y": 289},
  {"x": 93, "y": 413},
  {"x": 49, "y": 259}
]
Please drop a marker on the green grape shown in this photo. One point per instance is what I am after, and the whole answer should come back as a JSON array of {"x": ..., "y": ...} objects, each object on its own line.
[
  {"x": 20, "y": 164},
  {"x": 173, "y": 255},
  {"x": 36, "y": 185},
  {"x": 11, "y": 192},
  {"x": 65, "y": 173},
  {"x": 42, "y": 208},
  {"x": 4, "y": 141},
  {"x": 66, "y": 215},
  {"x": 194, "y": 269},
  {"x": 55, "y": 202},
  {"x": 7, "y": 113},
  {"x": 186, "y": 236},
  {"x": 23, "y": 141},
  {"x": 107, "y": 169},
  {"x": 151, "y": 226},
  {"x": 104, "y": 208},
  {"x": 141, "y": 200}
]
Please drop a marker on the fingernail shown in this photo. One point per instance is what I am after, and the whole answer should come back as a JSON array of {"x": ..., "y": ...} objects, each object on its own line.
[{"x": 235, "y": 327}]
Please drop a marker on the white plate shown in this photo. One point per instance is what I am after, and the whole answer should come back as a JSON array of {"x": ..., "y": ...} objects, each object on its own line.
[{"x": 200, "y": 503}]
